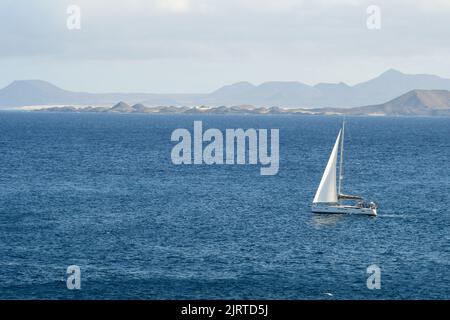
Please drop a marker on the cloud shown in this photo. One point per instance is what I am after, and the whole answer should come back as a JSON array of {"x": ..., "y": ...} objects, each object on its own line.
[
  {"x": 174, "y": 5},
  {"x": 236, "y": 39}
]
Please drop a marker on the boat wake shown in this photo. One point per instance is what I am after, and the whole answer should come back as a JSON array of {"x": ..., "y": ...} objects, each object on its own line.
[{"x": 398, "y": 216}]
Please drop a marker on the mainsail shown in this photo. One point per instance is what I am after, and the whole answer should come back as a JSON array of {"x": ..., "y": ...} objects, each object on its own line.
[{"x": 327, "y": 188}]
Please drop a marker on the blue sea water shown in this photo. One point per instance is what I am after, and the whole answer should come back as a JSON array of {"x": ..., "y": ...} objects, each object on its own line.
[{"x": 100, "y": 191}]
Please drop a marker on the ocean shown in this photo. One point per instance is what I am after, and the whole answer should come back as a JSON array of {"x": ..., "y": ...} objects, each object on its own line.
[{"x": 100, "y": 191}]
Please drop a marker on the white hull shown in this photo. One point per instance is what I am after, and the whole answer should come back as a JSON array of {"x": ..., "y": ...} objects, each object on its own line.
[{"x": 341, "y": 209}]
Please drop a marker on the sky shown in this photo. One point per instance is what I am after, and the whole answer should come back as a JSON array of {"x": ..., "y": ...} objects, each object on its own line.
[{"x": 197, "y": 46}]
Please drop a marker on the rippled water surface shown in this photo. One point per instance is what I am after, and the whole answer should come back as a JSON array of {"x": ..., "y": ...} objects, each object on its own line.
[{"x": 100, "y": 191}]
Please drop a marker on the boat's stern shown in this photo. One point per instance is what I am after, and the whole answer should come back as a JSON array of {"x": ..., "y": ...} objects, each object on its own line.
[{"x": 373, "y": 208}]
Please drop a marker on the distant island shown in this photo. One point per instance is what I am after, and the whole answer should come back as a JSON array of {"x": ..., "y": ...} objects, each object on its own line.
[
  {"x": 412, "y": 103},
  {"x": 392, "y": 93},
  {"x": 285, "y": 94}
]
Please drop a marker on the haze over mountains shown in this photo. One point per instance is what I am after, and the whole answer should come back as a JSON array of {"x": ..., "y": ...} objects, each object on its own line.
[{"x": 385, "y": 87}]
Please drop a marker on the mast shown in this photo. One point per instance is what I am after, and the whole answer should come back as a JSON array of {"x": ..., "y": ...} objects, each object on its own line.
[{"x": 341, "y": 159}]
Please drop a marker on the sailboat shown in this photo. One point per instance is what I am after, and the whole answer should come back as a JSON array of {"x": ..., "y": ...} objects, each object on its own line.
[{"x": 328, "y": 198}]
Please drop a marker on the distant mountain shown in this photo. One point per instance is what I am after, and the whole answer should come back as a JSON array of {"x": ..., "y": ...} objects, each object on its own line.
[
  {"x": 139, "y": 107},
  {"x": 38, "y": 92},
  {"x": 412, "y": 103},
  {"x": 392, "y": 83},
  {"x": 387, "y": 86},
  {"x": 122, "y": 107},
  {"x": 234, "y": 91},
  {"x": 34, "y": 92}
]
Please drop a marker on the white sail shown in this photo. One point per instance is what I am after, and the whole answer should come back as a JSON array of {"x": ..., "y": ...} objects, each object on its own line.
[{"x": 327, "y": 188}]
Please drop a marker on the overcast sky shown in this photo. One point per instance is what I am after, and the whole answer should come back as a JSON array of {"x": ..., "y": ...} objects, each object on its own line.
[{"x": 190, "y": 46}]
